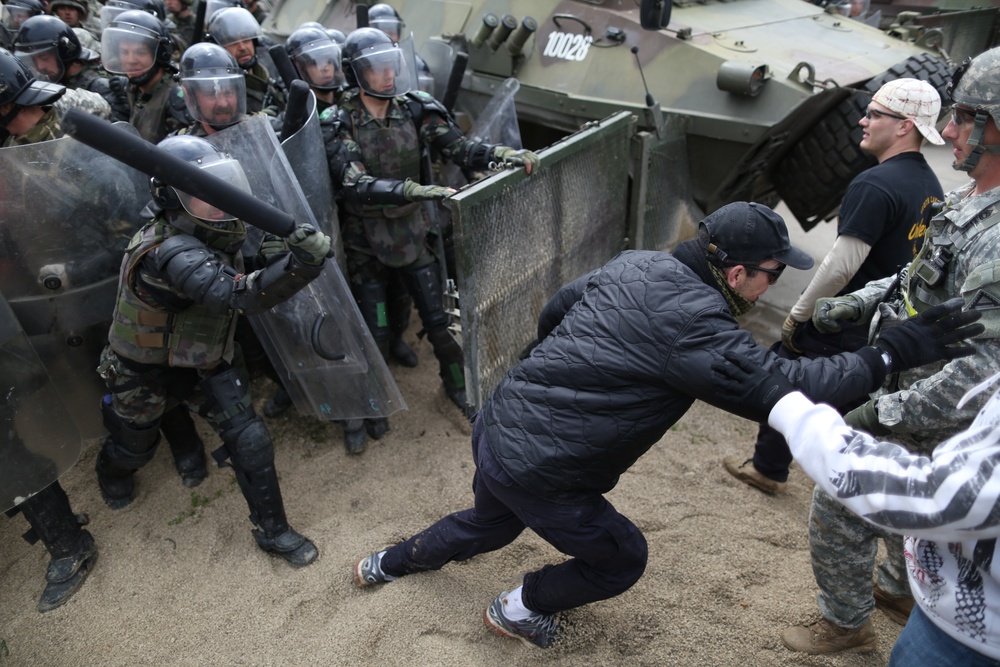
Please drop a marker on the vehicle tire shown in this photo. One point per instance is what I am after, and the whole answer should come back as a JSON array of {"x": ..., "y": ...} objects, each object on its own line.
[{"x": 813, "y": 176}]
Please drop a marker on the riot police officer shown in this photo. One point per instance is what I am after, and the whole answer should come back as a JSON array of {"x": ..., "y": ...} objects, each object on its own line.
[
  {"x": 215, "y": 88},
  {"x": 317, "y": 59},
  {"x": 382, "y": 128},
  {"x": 137, "y": 46},
  {"x": 238, "y": 32},
  {"x": 54, "y": 51},
  {"x": 182, "y": 287},
  {"x": 15, "y": 13},
  {"x": 28, "y": 113}
]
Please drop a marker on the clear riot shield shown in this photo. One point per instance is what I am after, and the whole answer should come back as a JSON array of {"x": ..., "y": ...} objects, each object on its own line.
[
  {"x": 38, "y": 439},
  {"x": 310, "y": 167},
  {"x": 316, "y": 340},
  {"x": 66, "y": 215},
  {"x": 495, "y": 124}
]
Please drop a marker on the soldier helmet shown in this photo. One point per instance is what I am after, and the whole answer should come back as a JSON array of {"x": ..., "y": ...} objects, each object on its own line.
[
  {"x": 113, "y": 8},
  {"x": 215, "y": 88},
  {"x": 79, "y": 5},
  {"x": 207, "y": 157},
  {"x": 19, "y": 87},
  {"x": 975, "y": 89},
  {"x": 214, "y": 6},
  {"x": 15, "y": 12},
  {"x": 316, "y": 57},
  {"x": 48, "y": 45},
  {"x": 137, "y": 45},
  {"x": 336, "y": 35},
  {"x": 375, "y": 64},
  {"x": 385, "y": 18},
  {"x": 233, "y": 25}
]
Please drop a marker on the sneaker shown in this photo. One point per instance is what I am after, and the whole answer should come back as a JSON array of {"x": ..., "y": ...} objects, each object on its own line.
[
  {"x": 822, "y": 637},
  {"x": 896, "y": 607},
  {"x": 744, "y": 470},
  {"x": 368, "y": 570},
  {"x": 539, "y": 630}
]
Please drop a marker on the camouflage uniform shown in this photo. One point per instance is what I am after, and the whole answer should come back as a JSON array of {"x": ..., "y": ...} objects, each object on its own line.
[
  {"x": 49, "y": 126},
  {"x": 915, "y": 408},
  {"x": 263, "y": 92},
  {"x": 158, "y": 112},
  {"x": 184, "y": 31},
  {"x": 90, "y": 78},
  {"x": 378, "y": 237}
]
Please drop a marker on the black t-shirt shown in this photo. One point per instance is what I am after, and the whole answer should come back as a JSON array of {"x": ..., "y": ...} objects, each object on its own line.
[{"x": 888, "y": 207}]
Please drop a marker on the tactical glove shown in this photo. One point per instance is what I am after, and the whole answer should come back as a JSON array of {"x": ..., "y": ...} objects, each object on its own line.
[
  {"x": 513, "y": 157},
  {"x": 746, "y": 389},
  {"x": 831, "y": 311},
  {"x": 309, "y": 245},
  {"x": 929, "y": 336},
  {"x": 865, "y": 418},
  {"x": 788, "y": 335},
  {"x": 271, "y": 246},
  {"x": 413, "y": 191}
]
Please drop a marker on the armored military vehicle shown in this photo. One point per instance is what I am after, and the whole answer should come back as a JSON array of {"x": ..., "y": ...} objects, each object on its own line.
[{"x": 767, "y": 89}]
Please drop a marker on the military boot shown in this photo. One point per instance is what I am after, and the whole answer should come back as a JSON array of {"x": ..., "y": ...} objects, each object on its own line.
[
  {"x": 117, "y": 483},
  {"x": 355, "y": 436},
  {"x": 822, "y": 636},
  {"x": 267, "y": 512},
  {"x": 72, "y": 549},
  {"x": 186, "y": 446}
]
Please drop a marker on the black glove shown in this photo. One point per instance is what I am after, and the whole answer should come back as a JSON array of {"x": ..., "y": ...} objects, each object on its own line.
[
  {"x": 746, "y": 389},
  {"x": 929, "y": 336}
]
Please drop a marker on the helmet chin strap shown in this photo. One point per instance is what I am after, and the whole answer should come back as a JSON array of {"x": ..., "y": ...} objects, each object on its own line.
[
  {"x": 976, "y": 141},
  {"x": 145, "y": 77}
]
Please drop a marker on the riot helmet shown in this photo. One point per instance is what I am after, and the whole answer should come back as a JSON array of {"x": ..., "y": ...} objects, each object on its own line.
[
  {"x": 215, "y": 87},
  {"x": 973, "y": 89},
  {"x": 316, "y": 57},
  {"x": 137, "y": 45},
  {"x": 337, "y": 36},
  {"x": 16, "y": 12},
  {"x": 383, "y": 17},
  {"x": 72, "y": 12},
  {"x": 48, "y": 46},
  {"x": 112, "y": 8},
  {"x": 235, "y": 29},
  {"x": 208, "y": 158},
  {"x": 425, "y": 79},
  {"x": 214, "y": 6},
  {"x": 18, "y": 87},
  {"x": 375, "y": 64}
]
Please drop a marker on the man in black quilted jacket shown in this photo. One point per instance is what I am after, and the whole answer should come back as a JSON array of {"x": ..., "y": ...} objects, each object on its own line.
[{"x": 624, "y": 351}]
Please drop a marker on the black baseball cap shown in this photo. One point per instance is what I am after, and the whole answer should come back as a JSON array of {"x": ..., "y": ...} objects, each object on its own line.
[{"x": 750, "y": 233}]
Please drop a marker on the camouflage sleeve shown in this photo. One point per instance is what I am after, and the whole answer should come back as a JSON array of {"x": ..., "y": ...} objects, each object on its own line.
[
  {"x": 437, "y": 129},
  {"x": 83, "y": 99},
  {"x": 351, "y": 178},
  {"x": 873, "y": 292}
]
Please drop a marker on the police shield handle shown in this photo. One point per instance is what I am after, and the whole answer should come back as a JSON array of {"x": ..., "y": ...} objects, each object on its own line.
[{"x": 169, "y": 169}]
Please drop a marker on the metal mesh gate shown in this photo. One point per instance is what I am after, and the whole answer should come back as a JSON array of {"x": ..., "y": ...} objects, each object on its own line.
[{"x": 520, "y": 238}]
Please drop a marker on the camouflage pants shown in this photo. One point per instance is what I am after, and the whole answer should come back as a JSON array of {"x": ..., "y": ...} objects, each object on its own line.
[
  {"x": 843, "y": 547},
  {"x": 141, "y": 398}
]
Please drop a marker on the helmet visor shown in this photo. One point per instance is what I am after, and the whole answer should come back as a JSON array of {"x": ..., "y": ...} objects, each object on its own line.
[
  {"x": 43, "y": 61},
  {"x": 319, "y": 64},
  {"x": 382, "y": 71},
  {"x": 128, "y": 49},
  {"x": 228, "y": 170},
  {"x": 217, "y": 97},
  {"x": 389, "y": 25},
  {"x": 112, "y": 9},
  {"x": 13, "y": 17}
]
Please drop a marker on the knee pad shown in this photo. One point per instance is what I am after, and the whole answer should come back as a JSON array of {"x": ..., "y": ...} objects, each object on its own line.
[
  {"x": 250, "y": 447},
  {"x": 129, "y": 446}
]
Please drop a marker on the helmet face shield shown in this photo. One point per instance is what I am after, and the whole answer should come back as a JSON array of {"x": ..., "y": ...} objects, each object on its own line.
[
  {"x": 43, "y": 62},
  {"x": 217, "y": 96},
  {"x": 111, "y": 10},
  {"x": 382, "y": 71},
  {"x": 227, "y": 169},
  {"x": 319, "y": 64},
  {"x": 128, "y": 49},
  {"x": 12, "y": 17},
  {"x": 390, "y": 25}
]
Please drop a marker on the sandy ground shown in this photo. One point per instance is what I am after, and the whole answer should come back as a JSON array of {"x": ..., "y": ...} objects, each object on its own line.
[{"x": 180, "y": 581}]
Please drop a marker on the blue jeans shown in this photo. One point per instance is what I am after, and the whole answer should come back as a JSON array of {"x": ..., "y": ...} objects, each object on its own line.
[{"x": 923, "y": 643}]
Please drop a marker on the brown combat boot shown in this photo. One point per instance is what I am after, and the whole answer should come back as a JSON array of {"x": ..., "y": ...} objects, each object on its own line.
[
  {"x": 744, "y": 470},
  {"x": 822, "y": 636},
  {"x": 896, "y": 607}
]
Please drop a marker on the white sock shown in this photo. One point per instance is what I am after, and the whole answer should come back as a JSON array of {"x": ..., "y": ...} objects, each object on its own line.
[{"x": 514, "y": 608}]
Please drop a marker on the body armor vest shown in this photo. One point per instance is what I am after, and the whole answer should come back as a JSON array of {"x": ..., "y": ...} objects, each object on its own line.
[
  {"x": 148, "y": 110},
  {"x": 390, "y": 150},
  {"x": 194, "y": 337},
  {"x": 932, "y": 278}
]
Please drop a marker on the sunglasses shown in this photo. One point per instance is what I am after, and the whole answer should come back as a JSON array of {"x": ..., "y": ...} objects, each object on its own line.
[
  {"x": 772, "y": 274},
  {"x": 961, "y": 116},
  {"x": 874, "y": 114}
]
